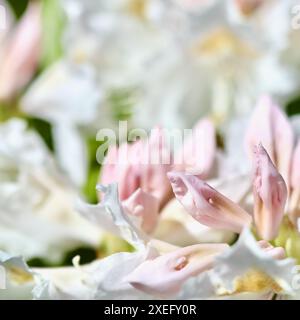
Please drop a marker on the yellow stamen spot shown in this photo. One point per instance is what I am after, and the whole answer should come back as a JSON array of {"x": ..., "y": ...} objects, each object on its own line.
[
  {"x": 222, "y": 42},
  {"x": 137, "y": 8},
  {"x": 18, "y": 275},
  {"x": 255, "y": 281}
]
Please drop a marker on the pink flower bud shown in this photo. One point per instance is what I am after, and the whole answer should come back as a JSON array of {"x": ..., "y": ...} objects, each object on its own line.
[
  {"x": 142, "y": 164},
  {"x": 270, "y": 194},
  {"x": 294, "y": 199},
  {"x": 270, "y": 127},
  {"x": 207, "y": 205},
  {"x": 21, "y": 53}
]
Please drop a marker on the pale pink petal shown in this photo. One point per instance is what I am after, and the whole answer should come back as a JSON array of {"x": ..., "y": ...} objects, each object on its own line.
[
  {"x": 156, "y": 162},
  {"x": 283, "y": 142},
  {"x": 270, "y": 127},
  {"x": 207, "y": 205},
  {"x": 164, "y": 275},
  {"x": 295, "y": 172},
  {"x": 277, "y": 253},
  {"x": 260, "y": 128},
  {"x": 108, "y": 171},
  {"x": 128, "y": 173},
  {"x": 143, "y": 205},
  {"x": 270, "y": 194},
  {"x": 198, "y": 153},
  {"x": 142, "y": 164},
  {"x": 20, "y": 57},
  {"x": 117, "y": 168}
]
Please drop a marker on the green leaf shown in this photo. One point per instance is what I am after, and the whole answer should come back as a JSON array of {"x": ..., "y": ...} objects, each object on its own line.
[
  {"x": 293, "y": 107},
  {"x": 87, "y": 255},
  {"x": 53, "y": 27},
  {"x": 18, "y": 6},
  {"x": 89, "y": 189},
  {"x": 112, "y": 244},
  {"x": 121, "y": 102},
  {"x": 43, "y": 128}
]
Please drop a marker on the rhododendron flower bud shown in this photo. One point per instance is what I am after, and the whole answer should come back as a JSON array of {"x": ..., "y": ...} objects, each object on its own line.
[
  {"x": 142, "y": 164},
  {"x": 207, "y": 205},
  {"x": 270, "y": 127},
  {"x": 294, "y": 200},
  {"x": 20, "y": 56},
  {"x": 270, "y": 194}
]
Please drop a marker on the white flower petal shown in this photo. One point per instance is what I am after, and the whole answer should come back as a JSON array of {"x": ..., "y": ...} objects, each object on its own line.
[
  {"x": 102, "y": 279},
  {"x": 19, "y": 278},
  {"x": 70, "y": 145},
  {"x": 110, "y": 216},
  {"x": 35, "y": 201},
  {"x": 246, "y": 256},
  {"x": 176, "y": 226}
]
